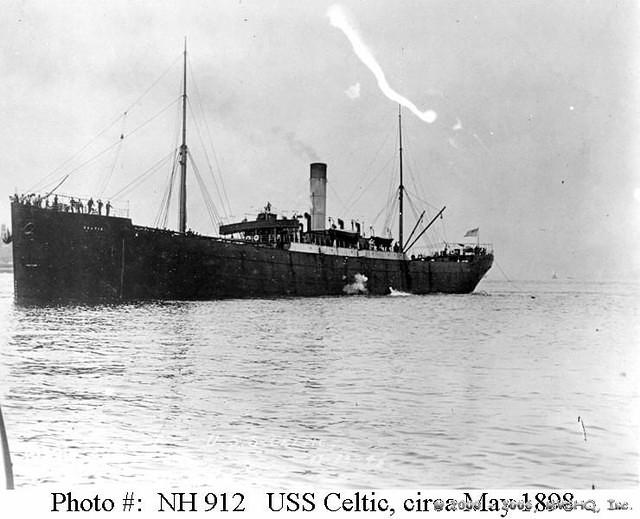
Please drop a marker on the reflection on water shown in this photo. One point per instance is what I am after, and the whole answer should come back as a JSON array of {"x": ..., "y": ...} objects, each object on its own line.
[{"x": 482, "y": 390}]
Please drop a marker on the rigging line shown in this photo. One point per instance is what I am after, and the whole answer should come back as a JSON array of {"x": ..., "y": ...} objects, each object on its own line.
[
  {"x": 371, "y": 162},
  {"x": 393, "y": 192},
  {"x": 444, "y": 229},
  {"x": 107, "y": 128},
  {"x": 390, "y": 200},
  {"x": 159, "y": 214},
  {"x": 391, "y": 159},
  {"x": 382, "y": 170},
  {"x": 394, "y": 171},
  {"x": 213, "y": 151},
  {"x": 417, "y": 179},
  {"x": 390, "y": 217},
  {"x": 137, "y": 181},
  {"x": 57, "y": 186},
  {"x": 152, "y": 118},
  {"x": 167, "y": 208},
  {"x": 44, "y": 180},
  {"x": 507, "y": 277},
  {"x": 414, "y": 179},
  {"x": 178, "y": 58},
  {"x": 140, "y": 180},
  {"x": 111, "y": 146},
  {"x": 422, "y": 236},
  {"x": 343, "y": 209},
  {"x": 391, "y": 214},
  {"x": 142, "y": 176},
  {"x": 95, "y": 157},
  {"x": 206, "y": 195},
  {"x": 215, "y": 183},
  {"x": 410, "y": 197},
  {"x": 215, "y": 159},
  {"x": 431, "y": 206},
  {"x": 393, "y": 177},
  {"x": 366, "y": 170},
  {"x": 213, "y": 213},
  {"x": 178, "y": 126},
  {"x": 426, "y": 228},
  {"x": 412, "y": 206},
  {"x": 340, "y": 201},
  {"x": 171, "y": 184},
  {"x": 416, "y": 226},
  {"x": 165, "y": 205},
  {"x": 212, "y": 216},
  {"x": 174, "y": 165},
  {"x": 166, "y": 196},
  {"x": 431, "y": 239},
  {"x": 420, "y": 222},
  {"x": 418, "y": 186},
  {"x": 107, "y": 179},
  {"x": 105, "y": 184}
]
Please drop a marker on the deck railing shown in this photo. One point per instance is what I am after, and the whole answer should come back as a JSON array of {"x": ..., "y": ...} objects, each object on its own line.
[
  {"x": 456, "y": 250},
  {"x": 74, "y": 204},
  {"x": 469, "y": 247}
]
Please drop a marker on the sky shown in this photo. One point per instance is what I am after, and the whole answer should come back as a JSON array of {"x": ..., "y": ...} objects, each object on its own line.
[{"x": 531, "y": 133}]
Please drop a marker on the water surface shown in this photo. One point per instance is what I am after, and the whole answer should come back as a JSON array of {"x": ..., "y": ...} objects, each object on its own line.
[{"x": 480, "y": 390}]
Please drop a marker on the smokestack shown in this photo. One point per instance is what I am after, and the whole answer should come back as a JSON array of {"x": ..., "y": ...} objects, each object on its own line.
[{"x": 318, "y": 189}]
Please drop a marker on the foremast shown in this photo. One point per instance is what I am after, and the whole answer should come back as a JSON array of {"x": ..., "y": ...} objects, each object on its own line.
[
  {"x": 401, "y": 188},
  {"x": 182, "y": 219}
]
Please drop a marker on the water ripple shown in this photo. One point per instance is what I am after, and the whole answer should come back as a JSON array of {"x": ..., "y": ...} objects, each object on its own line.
[{"x": 461, "y": 391}]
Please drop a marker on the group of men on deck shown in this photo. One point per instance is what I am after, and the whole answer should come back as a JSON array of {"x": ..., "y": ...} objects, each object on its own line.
[
  {"x": 74, "y": 206},
  {"x": 77, "y": 206}
]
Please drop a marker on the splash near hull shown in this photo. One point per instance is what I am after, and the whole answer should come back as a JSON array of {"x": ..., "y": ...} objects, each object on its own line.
[{"x": 74, "y": 257}]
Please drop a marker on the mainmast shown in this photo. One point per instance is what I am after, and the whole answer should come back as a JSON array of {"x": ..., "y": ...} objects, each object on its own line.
[
  {"x": 401, "y": 188},
  {"x": 182, "y": 223}
]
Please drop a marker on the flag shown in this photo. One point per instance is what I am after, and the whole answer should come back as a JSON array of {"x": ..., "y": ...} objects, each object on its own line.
[{"x": 472, "y": 233}]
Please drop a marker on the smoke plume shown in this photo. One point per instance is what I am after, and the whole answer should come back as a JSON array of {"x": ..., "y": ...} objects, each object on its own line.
[
  {"x": 338, "y": 19},
  {"x": 359, "y": 285},
  {"x": 297, "y": 146}
]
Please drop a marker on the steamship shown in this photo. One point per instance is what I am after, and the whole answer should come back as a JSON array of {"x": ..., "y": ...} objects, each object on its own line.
[{"x": 64, "y": 250}]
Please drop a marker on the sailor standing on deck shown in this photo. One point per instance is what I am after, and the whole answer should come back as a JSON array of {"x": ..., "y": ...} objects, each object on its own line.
[
  {"x": 89, "y": 205},
  {"x": 107, "y": 208},
  {"x": 99, "y": 206}
]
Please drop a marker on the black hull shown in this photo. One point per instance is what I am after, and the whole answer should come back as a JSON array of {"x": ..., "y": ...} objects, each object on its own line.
[{"x": 71, "y": 257}]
